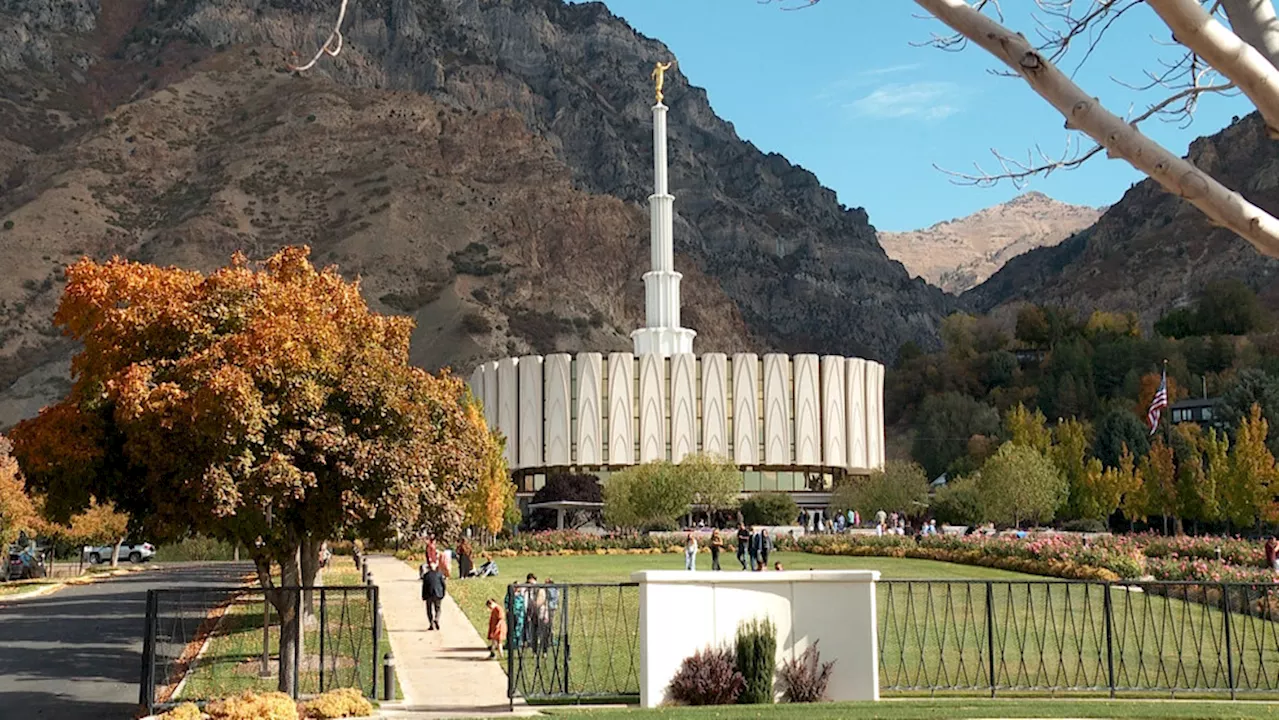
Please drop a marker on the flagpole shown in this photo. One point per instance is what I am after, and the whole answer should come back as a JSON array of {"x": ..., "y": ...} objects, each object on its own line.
[{"x": 1168, "y": 425}]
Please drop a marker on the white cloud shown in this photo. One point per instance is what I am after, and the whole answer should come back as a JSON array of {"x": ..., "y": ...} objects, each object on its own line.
[
  {"x": 924, "y": 100},
  {"x": 875, "y": 72}
]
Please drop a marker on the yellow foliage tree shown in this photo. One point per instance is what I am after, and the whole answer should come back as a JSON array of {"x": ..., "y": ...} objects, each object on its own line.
[
  {"x": 1250, "y": 493},
  {"x": 493, "y": 500},
  {"x": 1027, "y": 427},
  {"x": 19, "y": 512}
]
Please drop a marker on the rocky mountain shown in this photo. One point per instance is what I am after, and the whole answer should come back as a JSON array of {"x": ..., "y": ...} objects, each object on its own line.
[
  {"x": 1151, "y": 251},
  {"x": 959, "y": 254},
  {"x": 479, "y": 164}
]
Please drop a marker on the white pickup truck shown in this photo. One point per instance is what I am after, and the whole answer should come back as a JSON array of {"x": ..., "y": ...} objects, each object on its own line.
[{"x": 134, "y": 552}]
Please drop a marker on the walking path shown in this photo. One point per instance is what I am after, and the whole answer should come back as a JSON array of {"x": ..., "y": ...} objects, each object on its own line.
[{"x": 443, "y": 673}]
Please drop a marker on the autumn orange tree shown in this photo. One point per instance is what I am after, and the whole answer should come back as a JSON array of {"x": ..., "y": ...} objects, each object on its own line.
[
  {"x": 19, "y": 512},
  {"x": 265, "y": 405}
]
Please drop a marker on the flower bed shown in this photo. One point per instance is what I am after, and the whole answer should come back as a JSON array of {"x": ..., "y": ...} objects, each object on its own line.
[{"x": 1107, "y": 558}]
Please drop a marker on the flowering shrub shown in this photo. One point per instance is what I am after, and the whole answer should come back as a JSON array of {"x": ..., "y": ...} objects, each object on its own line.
[
  {"x": 251, "y": 706},
  {"x": 708, "y": 677},
  {"x": 341, "y": 703},
  {"x": 1106, "y": 558}
]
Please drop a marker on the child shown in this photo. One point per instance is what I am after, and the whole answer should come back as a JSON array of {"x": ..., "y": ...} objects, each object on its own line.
[{"x": 497, "y": 628}]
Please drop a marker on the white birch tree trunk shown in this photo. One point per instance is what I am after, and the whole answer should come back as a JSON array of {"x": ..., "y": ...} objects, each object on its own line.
[
  {"x": 1255, "y": 22},
  {"x": 1223, "y": 206},
  {"x": 1238, "y": 61}
]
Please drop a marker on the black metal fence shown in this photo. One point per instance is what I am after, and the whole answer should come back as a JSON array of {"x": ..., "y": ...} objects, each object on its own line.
[
  {"x": 204, "y": 643},
  {"x": 573, "y": 641},
  {"x": 1055, "y": 636}
]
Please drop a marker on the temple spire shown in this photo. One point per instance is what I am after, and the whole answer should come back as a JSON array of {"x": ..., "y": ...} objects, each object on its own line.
[{"x": 662, "y": 334}]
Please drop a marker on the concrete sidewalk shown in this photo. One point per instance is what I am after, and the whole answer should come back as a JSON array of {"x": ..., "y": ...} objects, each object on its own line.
[{"x": 445, "y": 672}]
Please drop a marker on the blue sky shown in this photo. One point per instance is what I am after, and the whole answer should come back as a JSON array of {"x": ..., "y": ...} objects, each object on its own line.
[{"x": 839, "y": 89}]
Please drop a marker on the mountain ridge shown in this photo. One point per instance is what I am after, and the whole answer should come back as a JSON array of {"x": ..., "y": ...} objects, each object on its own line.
[
  {"x": 958, "y": 254},
  {"x": 173, "y": 134}
]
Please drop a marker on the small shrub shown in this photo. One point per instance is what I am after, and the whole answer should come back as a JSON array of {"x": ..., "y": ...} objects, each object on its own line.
[
  {"x": 476, "y": 324},
  {"x": 251, "y": 706},
  {"x": 344, "y": 703},
  {"x": 311, "y": 118},
  {"x": 756, "y": 649},
  {"x": 185, "y": 711},
  {"x": 708, "y": 678},
  {"x": 8, "y": 224},
  {"x": 805, "y": 678},
  {"x": 1089, "y": 525},
  {"x": 769, "y": 508}
]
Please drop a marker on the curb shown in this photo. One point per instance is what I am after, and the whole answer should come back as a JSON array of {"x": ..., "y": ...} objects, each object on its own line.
[{"x": 57, "y": 585}]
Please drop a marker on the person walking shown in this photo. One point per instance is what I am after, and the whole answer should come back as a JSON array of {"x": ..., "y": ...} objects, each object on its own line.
[
  {"x": 519, "y": 607},
  {"x": 766, "y": 545},
  {"x": 433, "y": 592},
  {"x": 465, "y": 567},
  {"x": 744, "y": 544},
  {"x": 717, "y": 544},
  {"x": 497, "y": 628},
  {"x": 538, "y": 616},
  {"x": 690, "y": 552}
]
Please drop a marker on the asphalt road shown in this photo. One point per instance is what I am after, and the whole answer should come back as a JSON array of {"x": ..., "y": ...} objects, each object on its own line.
[{"x": 77, "y": 654}]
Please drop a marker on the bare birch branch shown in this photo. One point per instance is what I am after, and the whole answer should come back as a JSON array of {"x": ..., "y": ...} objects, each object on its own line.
[
  {"x": 1238, "y": 61},
  {"x": 1255, "y": 22},
  {"x": 332, "y": 45},
  {"x": 1223, "y": 206}
]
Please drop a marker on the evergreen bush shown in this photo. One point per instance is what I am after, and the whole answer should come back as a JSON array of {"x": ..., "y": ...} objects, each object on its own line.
[{"x": 755, "y": 649}]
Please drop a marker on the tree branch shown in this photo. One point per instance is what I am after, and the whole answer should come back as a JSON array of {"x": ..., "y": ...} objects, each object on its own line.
[
  {"x": 1223, "y": 206},
  {"x": 1238, "y": 61},
  {"x": 332, "y": 45},
  {"x": 1255, "y": 22}
]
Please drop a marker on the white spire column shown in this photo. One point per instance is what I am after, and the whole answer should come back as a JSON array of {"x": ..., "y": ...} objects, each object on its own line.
[{"x": 662, "y": 334}]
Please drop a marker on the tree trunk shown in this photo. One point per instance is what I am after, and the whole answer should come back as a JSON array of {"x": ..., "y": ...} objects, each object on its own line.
[
  {"x": 286, "y": 604},
  {"x": 1084, "y": 113},
  {"x": 115, "y": 553},
  {"x": 310, "y": 568},
  {"x": 1255, "y": 22},
  {"x": 1238, "y": 61}
]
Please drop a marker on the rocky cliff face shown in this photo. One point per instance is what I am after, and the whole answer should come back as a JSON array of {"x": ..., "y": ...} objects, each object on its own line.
[
  {"x": 481, "y": 164},
  {"x": 1151, "y": 250},
  {"x": 959, "y": 254}
]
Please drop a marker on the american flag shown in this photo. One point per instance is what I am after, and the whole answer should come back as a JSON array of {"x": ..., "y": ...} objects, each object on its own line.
[{"x": 1159, "y": 402}]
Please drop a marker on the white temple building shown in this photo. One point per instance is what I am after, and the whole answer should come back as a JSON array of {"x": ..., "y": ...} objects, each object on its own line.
[{"x": 790, "y": 423}]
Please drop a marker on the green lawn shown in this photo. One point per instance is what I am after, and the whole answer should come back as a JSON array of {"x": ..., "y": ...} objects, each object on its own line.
[
  {"x": 936, "y": 709},
  {"x": 231, "y": 662},
  {"x": 1046, "y": 634}
]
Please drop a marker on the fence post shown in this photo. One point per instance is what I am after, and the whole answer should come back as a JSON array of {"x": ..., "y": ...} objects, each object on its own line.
[
  {"x": 324, "y": 626},
  {"x": 146, "y": 691},
  {"x": 297, "y": 642},
  {"x": 991, "y": 640},
  {"x": 509, "y": 601},
  {"x": 377, "y": 636},
  {"x": 1106, "y": 611},
  {"x": 564, "y": 635},
  {"x": 1226, "y": 631}
]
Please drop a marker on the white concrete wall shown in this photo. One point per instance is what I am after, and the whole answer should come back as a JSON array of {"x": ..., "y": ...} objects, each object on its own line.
[
  {"x": 807, "y": 413},
  {"x": 684, "y": 413},
  {"x": 715, "y": 424},
  {"x": 684, "y": 612},
  {"x": 746, "y": 409},
  {"x": 531, "y": 418},
  {"x": 653, "y": 405},
  {"x": 621, "y": 399},
  {"x": 833, "y": 411},
  {"x": 777, "y": 410},
  {"x": 555, "y": 398},
  {"x": 590, "y": 409},
  {"x": 509, "y": 408}
]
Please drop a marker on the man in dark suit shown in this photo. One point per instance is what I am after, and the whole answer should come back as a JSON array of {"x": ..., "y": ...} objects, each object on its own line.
[
  {"x": 433, "y": 592},
  {"x": 744, "y": 541}
]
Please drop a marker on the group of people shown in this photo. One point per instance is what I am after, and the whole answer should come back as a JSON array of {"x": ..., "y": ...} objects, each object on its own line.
[{"x": 754, "y": 546}]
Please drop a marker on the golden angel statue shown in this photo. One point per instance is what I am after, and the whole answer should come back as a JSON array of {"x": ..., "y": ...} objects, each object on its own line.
[{"x": 658, "y": 70}]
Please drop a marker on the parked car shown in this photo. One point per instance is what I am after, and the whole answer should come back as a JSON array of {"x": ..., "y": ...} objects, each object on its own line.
[
  {"x": 134, "y": 552},
  {"x": 24, "y": 562}
]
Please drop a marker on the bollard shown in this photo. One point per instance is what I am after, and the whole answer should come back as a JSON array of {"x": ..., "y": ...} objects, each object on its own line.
[{"x": 388, "y": 677}]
